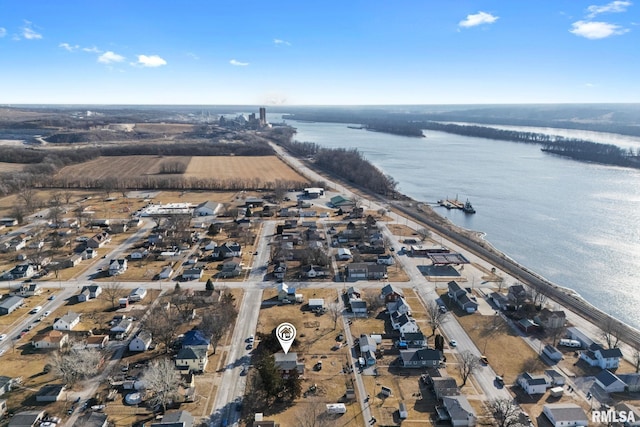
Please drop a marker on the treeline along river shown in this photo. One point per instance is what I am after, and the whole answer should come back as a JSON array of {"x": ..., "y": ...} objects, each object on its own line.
[{"x": 575, "y": 223}]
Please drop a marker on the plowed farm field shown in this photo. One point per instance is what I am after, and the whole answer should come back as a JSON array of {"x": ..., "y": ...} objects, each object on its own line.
[{"x": 263, "y": 168}]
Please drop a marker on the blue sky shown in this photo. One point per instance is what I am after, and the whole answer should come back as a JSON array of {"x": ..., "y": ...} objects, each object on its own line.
[{"x": 319, "y": 52}]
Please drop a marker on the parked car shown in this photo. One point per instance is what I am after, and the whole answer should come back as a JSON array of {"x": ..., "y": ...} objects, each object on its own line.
[
  {"x": 453, "y": 343},
  {"x": 2, "y": 336}
]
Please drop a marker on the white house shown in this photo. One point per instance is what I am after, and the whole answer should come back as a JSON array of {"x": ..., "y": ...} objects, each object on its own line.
[
  {"x": 604, "y": 358},
  {"x": 117, "y": 266},
  {"x": 89, "y": 292},
  {"x": 165, "y": 273},
  {"x": 533, "y": 384},
  {"x": 192, "y": 273},
  {"x": 207, "y": 209},
  {"x": 399, "y": 306},
  {"x": 610, "y": 382},
  {"x": 138, "y": 294},
  {"x": 344, "y": 254},
  {"x": 404, "y": 323},
  {"x": 141, "y": 342},
  {"x": 565, "y": 414},
  {"x": 459, "y": 411},
  {"x": 67, "y": 322},
  {"x": 89, "y": 253},
  {"x": 51, "y": 339},
  {"x": 124, "y": 326},
  {"x": 192, "y": 359},
  {"x": 139, "y": 254},
  {"x": 552, "y": 353},
  {"x": 385, "y": 259}
]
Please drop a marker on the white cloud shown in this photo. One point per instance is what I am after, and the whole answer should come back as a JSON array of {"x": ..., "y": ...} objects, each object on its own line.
[
  {"x": 29, "y": 33},
  {"x": 479, "y": 18},
  {"x": 68, "y": 47},
  {"x": 110, "y": 57},
  {"x": 3, "y": 32},
  {"x": 193, "y": 56},
  {"x": 91, "y": 49},
  {"x": 279, "y": 42},
  {"x": 589, "y": 85},
  {"x": 616, "y": 6},
  {"x": 238, "y": 63},
  {"x": 596, "y": 30},
  {"x": 151, "y": 61}
]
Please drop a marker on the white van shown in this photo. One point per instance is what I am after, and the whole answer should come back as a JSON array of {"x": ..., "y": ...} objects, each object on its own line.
[{"x": 36, "y": 309}]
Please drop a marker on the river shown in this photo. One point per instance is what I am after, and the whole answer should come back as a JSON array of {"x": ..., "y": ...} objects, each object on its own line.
[{"x": 577, "y": 224}]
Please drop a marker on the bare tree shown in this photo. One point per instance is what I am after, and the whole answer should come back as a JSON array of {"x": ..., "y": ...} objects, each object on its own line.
[
  {"x": 113, "y": 291},
  {"x": 434, "y": 316},
  {"x": 75, "y": 365},
  {"x": 539, "y": 297},
  {"x": 67, "y": 195},
  {"x": 636, "y": 360},
  {"x": 506, "y": 412},
  {"x": 218, "y": 320},
  {"x": 163, "y": 381},
  {"x": 313, "y": 413},
  {"x": 424, "y": 234},
  {"x": 381, "y": 212},
  {"x": 335, "y": 311},
  {"x": 163, "y": 321},
  {"x": 373, "y": 300},
  {"x": 28, "y": 196},
  {"x": 611, "y": 331},
  {"x": 554, "y": 333},
  {"x": 468, "y": 362}
]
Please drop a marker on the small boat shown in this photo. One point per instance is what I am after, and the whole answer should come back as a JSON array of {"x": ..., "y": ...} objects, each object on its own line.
[{"x": 468, "y": 207}]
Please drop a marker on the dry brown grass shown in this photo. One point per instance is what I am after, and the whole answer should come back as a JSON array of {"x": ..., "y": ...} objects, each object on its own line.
[
  {"x": 262, "y": 168},
  {"x": 163, "y": 127},
  {"x": 11, "y": 167},
  {"x": 117, "y": 166}
]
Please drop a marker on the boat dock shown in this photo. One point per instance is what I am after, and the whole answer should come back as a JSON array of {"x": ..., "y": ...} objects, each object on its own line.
[{"x": 456, "y": 204}]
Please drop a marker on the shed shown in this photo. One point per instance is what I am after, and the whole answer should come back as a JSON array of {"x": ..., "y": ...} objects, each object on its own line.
[
  {"x": 402, "y": 411},
  {"x": 316, "y": 303}
]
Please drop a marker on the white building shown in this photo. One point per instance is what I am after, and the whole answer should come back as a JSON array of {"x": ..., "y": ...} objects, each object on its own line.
[{"x": 565, "y": 414}]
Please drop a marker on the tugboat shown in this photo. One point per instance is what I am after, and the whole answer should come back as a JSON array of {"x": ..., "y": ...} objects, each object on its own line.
[{"x": 468, "y": 207}]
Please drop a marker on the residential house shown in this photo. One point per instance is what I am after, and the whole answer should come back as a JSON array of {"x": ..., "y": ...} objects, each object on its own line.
[
  {"x": 414, "y": 339},
  {"x": 554, "y": 378},
  {"x": 287, "y": 363},
  {"x": 117, "y": 266},
  {"x": 610, "y": 382},
  {"x": 67, "y": 322},
  {"x": 286, "y": 292},
  {"x": 6, "y": 383},
  {"x": 22, "y": 271},
  {"x": 458, "y": 411},
  {"x": 175, "y": 419},
  {"x": 551, "y": 319},
  {"x": 141, "y": 342},
  {"x": 29, "y": 290},
  {"x": 280, "y": 270},
  {"x": 604, "y": 358},
  {"x": 122, "y": 327},
  {"x": 632, "y": 381},
  {"x": 399, "y": 306},
  {"x": 358, "y": 307},
  {"x": 461, "y": 297},
  {"x": 192, "y": 359},
  {"x": 313, "y": 192},
  {"x": 577, "y": 334},
  {"x": 92, "y": 419},
  {"x": 354, "y": 293},
  {"x": 166, "y": 273},
  {"x": 192, "y": 273},
  {"x": 404, "y": 323},
  {"x": 518, "y": 295},
  {"x": 231, "y": 268},
  {"x": 344, "y": 254},
  {"x": 207, "y": 208},
  {"x": 50, "y": 393},
  {"x": 420, "y": 358},
  {"x": 500, "y": 300},
  {"x": 533, "y": 384},
  {"x": 196, "y": 339},
  {"x": 26, "y": 418},
  {"x": 313, "y": 271},
  {"x": 8, "y": 222},
  {"x": 17, "y": 244},
  {"x": 342, "y": 202},
  {"x": 565, "y": 414},
  {"x": 118, "y": 227},
  {"x": 138, "y": 294},
  {"x": 139, "y": 254},
  {"x": 89, "y": 253},
  {"x": 72, "y": 261},
  {"x": 385, "y": 259},
  {"x": 10, "y": 304},
  {"x": 391, "y": 293},
  {"x": 552, "y": 353},
  {"x": 89, "y": 292},
  {"x": 99, "y": 240},
  {"x": 366, "y": 271},
  {"x": 155, "y": 239},
  {"x": 228, "y": 250},
  {"x": 444, "y": 386},
  {"x": 97, "y": 341},
  {"x": 52, "y": 339}
]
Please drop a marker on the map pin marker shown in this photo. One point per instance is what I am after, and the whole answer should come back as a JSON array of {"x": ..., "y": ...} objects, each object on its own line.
[{"x": 286, "y": 333}]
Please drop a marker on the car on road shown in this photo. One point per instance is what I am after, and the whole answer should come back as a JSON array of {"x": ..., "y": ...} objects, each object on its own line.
[
  {"x": 250, "y": 339},
  {"x": 499, "y": 380},
  {"x": 46, "y": 313},
  {"x": 36, "y": 309},
  {"x": 52, "y": 297},
  {"x": 250, "y": 346},
  {"x": 2, "y": 337},
  {"x": 453, "y": 343},
  {"x": 484, "y": 360}
]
